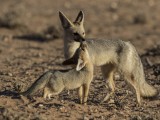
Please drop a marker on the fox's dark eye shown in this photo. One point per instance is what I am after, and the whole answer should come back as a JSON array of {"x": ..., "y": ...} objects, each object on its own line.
[{"x": 83, "y": 33}]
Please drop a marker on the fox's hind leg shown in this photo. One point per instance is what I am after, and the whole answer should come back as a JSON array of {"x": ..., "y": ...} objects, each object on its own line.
[
  {"x": 108, "y": 73},
  {"x": 131, "y": 80},
  {"x": 49, "y": 92}
]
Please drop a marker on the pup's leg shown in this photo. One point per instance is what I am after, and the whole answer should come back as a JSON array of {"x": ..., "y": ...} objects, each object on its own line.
[
  {"x": 45, "y": 93},
  {"x": 81, "y": 94},
  {"x": 49, "y": 92},
  {"x": 85, "y": 90}
]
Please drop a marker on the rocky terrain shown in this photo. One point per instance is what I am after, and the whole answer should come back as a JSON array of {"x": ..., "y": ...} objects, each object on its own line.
[{"x": 31, "y": 42}]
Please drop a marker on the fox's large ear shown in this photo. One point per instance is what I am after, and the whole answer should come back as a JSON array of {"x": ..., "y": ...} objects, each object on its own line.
[
  {"x": 66, "y": 23},
  {"x": 80, "y": 17},
  {"x": 70, "y": 61},
  {"x": 81, "y": 64}
]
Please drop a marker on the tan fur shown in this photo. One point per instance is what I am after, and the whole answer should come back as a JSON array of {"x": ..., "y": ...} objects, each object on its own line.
[
  {"x": 80, "y": 77},
  {"x": 111, "y": 55}
]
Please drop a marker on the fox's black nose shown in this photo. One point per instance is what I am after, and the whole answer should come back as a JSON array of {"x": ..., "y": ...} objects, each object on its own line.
[{"x": 78, "y": 37}]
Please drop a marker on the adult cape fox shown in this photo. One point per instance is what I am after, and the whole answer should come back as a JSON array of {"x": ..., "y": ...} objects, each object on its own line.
[{"x": 110, "y": 55}]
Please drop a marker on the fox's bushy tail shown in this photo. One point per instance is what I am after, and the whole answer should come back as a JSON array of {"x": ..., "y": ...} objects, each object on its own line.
[
  {"x": 145, "y": 89},
  {"x": 136, "y": 72},
  {"x": 38, "y": 84}
]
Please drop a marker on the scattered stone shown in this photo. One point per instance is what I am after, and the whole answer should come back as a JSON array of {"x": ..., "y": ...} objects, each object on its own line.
[
  {"x": 10, "y": 20},
  {"x": 41, "y": 105},
  {"x": 140, "y": 19},
  {"x": 113, "y": 6},
  {"x": 52, "y": 32},
  {"x": 156, "y": 69},
  {"x": 10, "y": 74},
  {"x": 63, "y": 109},
  {"x": 85, "y": 117}
]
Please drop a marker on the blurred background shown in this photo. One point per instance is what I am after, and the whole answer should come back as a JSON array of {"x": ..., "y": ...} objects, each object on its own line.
[{"x": 133, "y": 20}]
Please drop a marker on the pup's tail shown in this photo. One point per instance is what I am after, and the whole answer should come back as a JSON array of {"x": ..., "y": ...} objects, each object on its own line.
[{"x": 38, "y": 84}]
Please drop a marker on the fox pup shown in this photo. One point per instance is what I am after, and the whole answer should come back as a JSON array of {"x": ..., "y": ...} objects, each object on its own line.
[
  {"x": 80, "y": 77},
  {"x": 110, "y": 55}
]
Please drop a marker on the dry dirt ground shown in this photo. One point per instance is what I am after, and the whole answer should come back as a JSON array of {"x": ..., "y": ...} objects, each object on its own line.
[{"x": 31, "y": 43}]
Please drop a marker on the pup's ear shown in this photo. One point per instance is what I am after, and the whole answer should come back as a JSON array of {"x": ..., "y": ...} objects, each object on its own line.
[
  {"x": 81, "y": 64},
  {"x": 66, "y": 23},
  {"x": 70, "y": 61},
  {"x": 80, "y": 18}
]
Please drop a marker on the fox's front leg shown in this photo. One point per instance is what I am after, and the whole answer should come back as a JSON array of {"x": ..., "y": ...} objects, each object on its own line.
[{"x": 108, "y": 73}]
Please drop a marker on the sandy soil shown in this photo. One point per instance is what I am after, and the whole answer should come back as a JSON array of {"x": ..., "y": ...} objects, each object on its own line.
[{"x": 31, "y": 43}]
